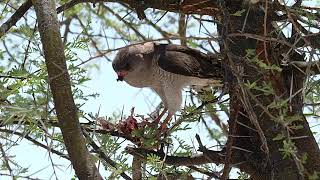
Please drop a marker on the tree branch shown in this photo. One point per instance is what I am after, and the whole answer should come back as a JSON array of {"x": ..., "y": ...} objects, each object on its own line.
[
  {"x": 4, "y": 28},
  {"x": 207, "y": 157},
  {"x": 37, "y": 143},
  {"x": 99, "y": 151},
  {"x": 201, "y": 7},
  {"x": 60, "y": 85},
  {"x": 128, "y": 24},
  {"x": 136, "y": 168}
]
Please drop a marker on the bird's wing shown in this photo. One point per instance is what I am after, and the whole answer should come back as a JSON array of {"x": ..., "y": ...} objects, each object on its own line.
[{"x": 186, "y": 61}]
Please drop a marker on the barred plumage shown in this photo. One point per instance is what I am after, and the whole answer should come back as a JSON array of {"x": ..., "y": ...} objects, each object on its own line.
[{"x": 166, "y": 69}]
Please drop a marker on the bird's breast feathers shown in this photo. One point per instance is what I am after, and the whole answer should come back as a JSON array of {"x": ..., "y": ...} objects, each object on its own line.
[{"x": 161, "y": 76}]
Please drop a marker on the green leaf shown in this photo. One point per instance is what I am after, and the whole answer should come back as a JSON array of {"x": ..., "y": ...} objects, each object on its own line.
[
  {"x": 238, "y": 13},
  {"x": 314, "y": 176},
  {"x": 278, "y": 137}
]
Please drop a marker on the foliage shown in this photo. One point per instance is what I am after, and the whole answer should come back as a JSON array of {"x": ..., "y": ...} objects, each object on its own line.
[{"x": 94, "y": 32}]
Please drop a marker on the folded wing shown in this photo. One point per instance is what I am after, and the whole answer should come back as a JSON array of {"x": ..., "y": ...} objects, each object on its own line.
[{"x": 186, "y": 61}]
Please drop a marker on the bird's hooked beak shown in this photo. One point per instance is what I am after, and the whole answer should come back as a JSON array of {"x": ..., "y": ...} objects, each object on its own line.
[{"x": 121, "y": 75}]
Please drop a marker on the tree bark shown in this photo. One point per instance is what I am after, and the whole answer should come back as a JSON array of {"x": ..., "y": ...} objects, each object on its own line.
[
  {"x": 250, "y": 116},
  {"x": 136, "y": 168},
  {"x": 287, "y": 85},
  {"x": 60, "y": 86}
]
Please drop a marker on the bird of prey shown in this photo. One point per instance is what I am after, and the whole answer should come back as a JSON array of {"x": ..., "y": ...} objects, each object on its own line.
[{"x": 166, "y": 69}]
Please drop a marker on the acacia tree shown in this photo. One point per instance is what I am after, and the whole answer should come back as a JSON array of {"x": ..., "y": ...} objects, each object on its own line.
[{"x": 268, "y": 52}]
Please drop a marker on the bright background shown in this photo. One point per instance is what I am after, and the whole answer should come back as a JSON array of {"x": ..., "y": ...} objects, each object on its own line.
[{"x": 114, "y": 96}]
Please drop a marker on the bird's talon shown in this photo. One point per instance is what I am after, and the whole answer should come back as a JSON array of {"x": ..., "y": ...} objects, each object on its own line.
[{"x": 163, "y": 127}]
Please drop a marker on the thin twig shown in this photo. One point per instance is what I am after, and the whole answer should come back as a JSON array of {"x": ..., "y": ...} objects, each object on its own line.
[{"x": 102, "y": 154}]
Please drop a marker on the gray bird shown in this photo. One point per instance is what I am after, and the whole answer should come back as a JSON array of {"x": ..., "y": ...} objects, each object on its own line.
[{"x": 166, "y": 69}]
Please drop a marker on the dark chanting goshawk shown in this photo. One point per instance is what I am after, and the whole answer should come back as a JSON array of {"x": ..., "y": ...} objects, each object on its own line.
[{"x": 166, "y": 69}]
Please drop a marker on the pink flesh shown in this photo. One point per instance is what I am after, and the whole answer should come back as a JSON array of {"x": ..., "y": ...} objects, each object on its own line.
[{"x": 122, "y": 73}]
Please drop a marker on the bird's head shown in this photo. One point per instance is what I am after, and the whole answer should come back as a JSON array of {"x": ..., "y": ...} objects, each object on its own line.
[{"x": 130, "y": 61}]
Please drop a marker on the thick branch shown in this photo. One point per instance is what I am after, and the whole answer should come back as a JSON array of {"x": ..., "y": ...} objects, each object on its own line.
[
  {"x": 306, "y": 67},
  {"x": 136, "y": 168},
  {"x": 209, "y": 156},
  {"x": 56, "y": 124},
  {"x": 201, "y": 7},
  {"x": 59, "y": 82}
]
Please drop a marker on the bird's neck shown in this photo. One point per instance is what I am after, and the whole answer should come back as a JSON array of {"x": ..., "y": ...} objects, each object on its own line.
[{"x": 139, "y": 79}]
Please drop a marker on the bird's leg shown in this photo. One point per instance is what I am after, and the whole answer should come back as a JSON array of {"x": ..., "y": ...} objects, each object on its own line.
[
  {"x": 157, "y": 120},
  {"x": 166, "y": 121},
  {"x": 163, "y": 127}
]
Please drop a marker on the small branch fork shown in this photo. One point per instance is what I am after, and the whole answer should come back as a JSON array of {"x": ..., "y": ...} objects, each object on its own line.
[
  {"x": 207, "y": 156},
  {"x": 102, "y": 154},
  {"x": 140, "y": 154},
  {"x": 309, "y": 39},
  {"x": 203, "y": 7},
  {"x": 210, "y": 157}
]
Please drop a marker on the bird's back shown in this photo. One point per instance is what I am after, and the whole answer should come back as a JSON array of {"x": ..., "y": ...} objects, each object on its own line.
[{"x": 186, "y": 61}]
